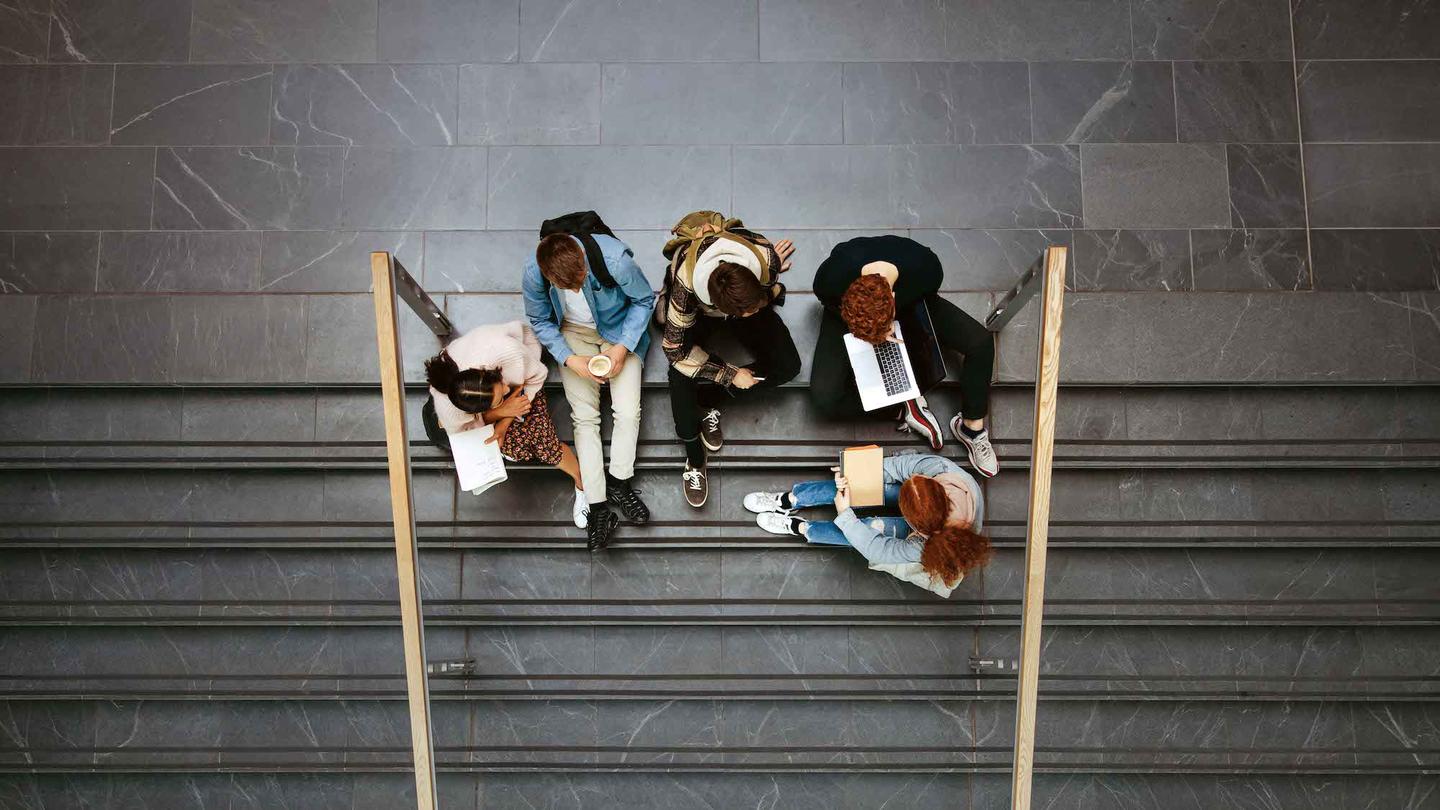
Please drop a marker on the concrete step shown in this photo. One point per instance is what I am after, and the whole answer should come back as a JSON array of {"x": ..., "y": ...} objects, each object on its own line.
[
  {"x": 723, "y": 662},
  {"x": 657, "y": 791},
  {"x": 936, "y": 735},
  {"x": 1110, "y": 337},
  {"x": 1098, "y": 428}
]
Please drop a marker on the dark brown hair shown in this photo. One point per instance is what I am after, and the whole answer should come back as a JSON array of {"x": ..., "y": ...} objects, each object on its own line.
[
  {"x": 953, "y": 551},
  {"x": 924, "y": 504},
  {"x": 868, "y": 308},
  {"x": 735, "y": 290},
  {"x": 472, "y": 390},
  {"x": 561, "y": 261}
]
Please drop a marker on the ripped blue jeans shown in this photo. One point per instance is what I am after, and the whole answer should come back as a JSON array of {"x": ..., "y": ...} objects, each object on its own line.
[{"x": 807, "y": 494}]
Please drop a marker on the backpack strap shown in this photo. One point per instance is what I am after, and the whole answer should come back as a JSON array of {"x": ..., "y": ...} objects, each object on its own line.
[{"x": 596, "y": 258}]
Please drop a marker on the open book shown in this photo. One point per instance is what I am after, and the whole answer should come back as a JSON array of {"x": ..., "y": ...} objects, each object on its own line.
[{"x": 479, "y": 465}]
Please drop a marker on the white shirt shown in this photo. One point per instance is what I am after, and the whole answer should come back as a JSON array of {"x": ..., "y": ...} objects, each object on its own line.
[{"x": 576, "y": 308}]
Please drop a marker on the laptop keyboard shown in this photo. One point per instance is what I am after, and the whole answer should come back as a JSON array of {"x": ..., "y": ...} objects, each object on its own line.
[{"x": 892, "y": 367}]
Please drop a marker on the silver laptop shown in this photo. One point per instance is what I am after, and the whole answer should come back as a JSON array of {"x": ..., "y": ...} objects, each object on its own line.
[{"x": 882, "y": 373}]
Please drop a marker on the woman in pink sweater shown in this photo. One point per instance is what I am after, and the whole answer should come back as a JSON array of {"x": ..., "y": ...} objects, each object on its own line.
[{"x": 493, "y": 375}]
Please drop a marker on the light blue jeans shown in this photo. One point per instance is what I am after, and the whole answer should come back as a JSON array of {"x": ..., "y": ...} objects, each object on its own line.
[{"x": 807, "y": 494}]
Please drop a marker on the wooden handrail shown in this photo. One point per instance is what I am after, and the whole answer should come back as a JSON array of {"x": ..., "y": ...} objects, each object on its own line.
[
  {"x": 1042, "y": 443},
  {"x": 402, "y": 504}
]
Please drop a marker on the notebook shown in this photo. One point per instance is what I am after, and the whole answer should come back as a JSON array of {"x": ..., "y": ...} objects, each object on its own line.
[
  {"x": 479, "y": 465},
  {"x": 864, "y": 468}
]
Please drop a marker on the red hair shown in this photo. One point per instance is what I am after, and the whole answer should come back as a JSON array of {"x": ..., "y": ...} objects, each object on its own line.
[
  {"x": 868, "y": 308},
  {"x": 924, "y": 504},
  {"x": 949, "y": 551},
  {"x": 954, "y": 551}
]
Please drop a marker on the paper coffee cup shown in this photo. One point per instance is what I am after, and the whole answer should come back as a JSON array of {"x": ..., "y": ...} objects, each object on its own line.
[{"x": 600, "y": 365}]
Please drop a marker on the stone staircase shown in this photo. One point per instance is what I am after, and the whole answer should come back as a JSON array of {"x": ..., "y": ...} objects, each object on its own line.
[{"x": 200, "y": 610}]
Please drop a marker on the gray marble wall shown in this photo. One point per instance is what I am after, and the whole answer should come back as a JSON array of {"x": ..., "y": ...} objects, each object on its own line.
[{"x": 153, "y": 149}]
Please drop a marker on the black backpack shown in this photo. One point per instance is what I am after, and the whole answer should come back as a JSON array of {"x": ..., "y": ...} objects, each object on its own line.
[{"x": 581, "y": 225}]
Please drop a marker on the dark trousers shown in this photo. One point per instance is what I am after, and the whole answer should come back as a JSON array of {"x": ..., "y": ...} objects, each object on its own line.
[
  {"x": 832, "y": 383},
  {"x": 764, "y": 336}
]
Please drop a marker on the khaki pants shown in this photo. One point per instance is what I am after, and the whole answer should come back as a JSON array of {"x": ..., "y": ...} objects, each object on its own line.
[{"x": 584, "y": 397}]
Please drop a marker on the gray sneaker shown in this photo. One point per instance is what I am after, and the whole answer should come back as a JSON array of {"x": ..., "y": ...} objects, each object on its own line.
[{"x": 982, "y": 454}]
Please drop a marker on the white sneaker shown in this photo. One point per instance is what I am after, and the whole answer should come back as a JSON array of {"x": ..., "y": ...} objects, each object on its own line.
[
  {"x": 762, "y": 502},
  {"x": 982, "y": 454},
  {"x": 581, "y": 511},
  {"x": 780, "y": 523},
  {"x": 919, "y": 419}
]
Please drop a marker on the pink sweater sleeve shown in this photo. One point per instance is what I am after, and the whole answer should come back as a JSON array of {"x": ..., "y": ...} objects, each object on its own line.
[{"x": 535, "y": 370}]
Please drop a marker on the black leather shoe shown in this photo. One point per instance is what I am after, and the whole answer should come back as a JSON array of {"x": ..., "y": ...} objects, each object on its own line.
[
  {"x": 627, "y": 500},
  {"x": 602, "y": 525}
]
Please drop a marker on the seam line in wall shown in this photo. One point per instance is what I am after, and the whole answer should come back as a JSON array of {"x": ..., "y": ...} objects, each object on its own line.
[{"x": 1300, "y": 146}]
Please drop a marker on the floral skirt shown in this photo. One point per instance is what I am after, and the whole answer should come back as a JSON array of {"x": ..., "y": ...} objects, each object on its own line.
[{"x": 534, "y": 438}]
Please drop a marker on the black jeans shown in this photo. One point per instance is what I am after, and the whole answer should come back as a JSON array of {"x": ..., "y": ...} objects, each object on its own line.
[
  {"x": 767, "y": 339},
  {"x": 832, "y": 383}
]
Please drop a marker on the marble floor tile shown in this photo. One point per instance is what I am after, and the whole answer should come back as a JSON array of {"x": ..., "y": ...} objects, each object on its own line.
[
  {"x": 294, "y": 31},
  {"x": 1131, "y": 260},
  {"x": 240, "y": 338},
  {"x": 50, "y": 261},
  {"x": 1102, "y": 102},
  {"x": 190, "y": 105},
  {"x": 18, "y": 329},
  {"x": 1365, "y": 29},
  {"x": 1370, "y": 101},
  {"x": 1265, "y": 185},
  {"x": 248, "y": 188},
  {"x": 120, "y": 30},
  {"x": 530, "y": 105},
  {"x": 364, "y": 105},
  {"x": 103, "y": 339},
  {"x": 75, "y": 188},
  {"x": 1155, "y": 186},
  {"x": 333, "y": 261},
  {"x": 24, "y": 31},
  {"x": 521, "y": 176},
  {"x": 1211, "y": 29},
  {"x": 403, "y": 189},
  {"x": 929, "y": 102},
  {"x": 876, "y": 30},
  {"x": 1373, "y": 185},
  {"x": 1235, "y": 101},
  {"x": 449, "y": 30},
  {"x": 56, "y": 105},
  {"x": 1251, "y": 260},
  {"x": 917, "y": 186},
  {"x": 1365, "y": 259},
  {"x": 178, "y": 261},
  {"x": 648, "y": 31},
  {"x": 757, "y": 103}
]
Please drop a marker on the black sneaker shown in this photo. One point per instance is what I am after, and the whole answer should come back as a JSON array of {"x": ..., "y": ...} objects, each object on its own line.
[
  {"x": 696, "y": 485},
  {"x": 624, "y": 496},
  {"x": 710, "y": 433},
  {"x": 602, "y": 525}
]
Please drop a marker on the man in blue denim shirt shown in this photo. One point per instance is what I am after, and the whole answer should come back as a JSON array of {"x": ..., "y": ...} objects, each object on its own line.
[{"x": 579, "y": 320}]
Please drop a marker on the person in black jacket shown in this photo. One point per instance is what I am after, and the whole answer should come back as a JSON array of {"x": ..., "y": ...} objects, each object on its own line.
[{"x": 862, "y": 284}]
